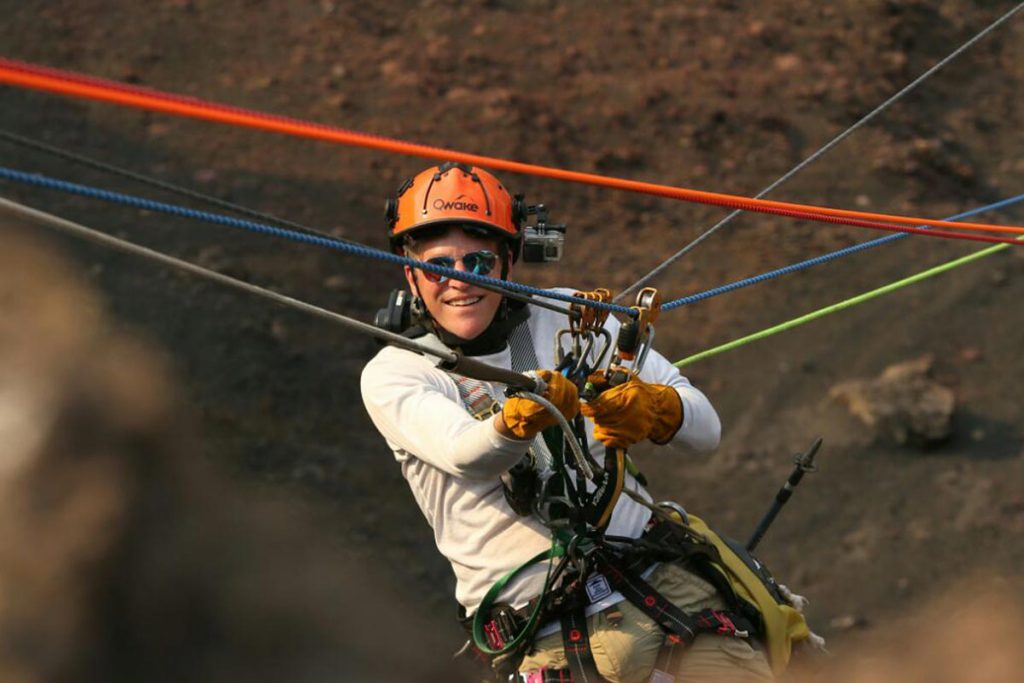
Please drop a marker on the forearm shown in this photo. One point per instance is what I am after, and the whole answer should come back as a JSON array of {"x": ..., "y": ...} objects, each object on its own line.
[
  {"x": 701, "y": 428},
  {"x": 423, "y": 421}
]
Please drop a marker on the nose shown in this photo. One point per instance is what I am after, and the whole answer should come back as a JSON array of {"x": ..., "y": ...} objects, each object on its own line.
[{"x": 459, "y": 284}]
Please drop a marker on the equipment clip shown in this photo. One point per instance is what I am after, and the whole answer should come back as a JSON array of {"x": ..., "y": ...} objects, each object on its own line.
[
  {"x": 586, "y": 325},
  {"x": 637, "y": 334}
]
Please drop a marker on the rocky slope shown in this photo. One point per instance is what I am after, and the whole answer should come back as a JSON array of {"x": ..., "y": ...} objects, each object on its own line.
[{"x": 723, "y": 96}]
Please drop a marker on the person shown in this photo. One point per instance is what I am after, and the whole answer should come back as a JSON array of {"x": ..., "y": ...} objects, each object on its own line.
[{"x": 460, "y": 464}]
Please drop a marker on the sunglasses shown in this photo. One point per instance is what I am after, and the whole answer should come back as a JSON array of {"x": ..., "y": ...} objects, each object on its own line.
[{"x": 476, "y": 262}]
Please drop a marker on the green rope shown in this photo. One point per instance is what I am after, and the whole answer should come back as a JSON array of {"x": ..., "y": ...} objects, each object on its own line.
[{"x": 842, "y": 305}]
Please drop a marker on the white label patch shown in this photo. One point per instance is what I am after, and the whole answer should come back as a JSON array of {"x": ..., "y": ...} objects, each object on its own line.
[
  {"x": 597, "y": 587},
  {"x": 662, "y": 677}
]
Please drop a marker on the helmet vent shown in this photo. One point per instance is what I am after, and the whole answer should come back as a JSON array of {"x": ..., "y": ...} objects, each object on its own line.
[
  {"x": 483, "y": 188},
  {"x": 426, "y": 195}
]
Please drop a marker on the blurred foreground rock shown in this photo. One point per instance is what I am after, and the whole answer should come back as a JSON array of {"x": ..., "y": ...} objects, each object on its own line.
[
  {"x": 125, "y": 557},
  {"x": 903, "y": 403},
  {"x": 971, "y": 635}
]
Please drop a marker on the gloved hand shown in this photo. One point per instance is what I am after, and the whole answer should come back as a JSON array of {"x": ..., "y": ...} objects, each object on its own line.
[
  {"x": 631, "y": 412},
  {"x": 526, "y": 418}
]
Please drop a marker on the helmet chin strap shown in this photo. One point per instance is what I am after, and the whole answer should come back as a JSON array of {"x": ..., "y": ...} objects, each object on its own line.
[{"x": 419, "y": 308}]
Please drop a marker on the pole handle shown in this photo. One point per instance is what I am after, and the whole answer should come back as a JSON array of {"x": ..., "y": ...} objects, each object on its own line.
[{"x": 488, "y": 373}]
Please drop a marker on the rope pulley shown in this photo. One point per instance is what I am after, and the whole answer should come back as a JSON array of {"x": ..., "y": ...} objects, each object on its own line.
[{"x": 634, "y": 341}]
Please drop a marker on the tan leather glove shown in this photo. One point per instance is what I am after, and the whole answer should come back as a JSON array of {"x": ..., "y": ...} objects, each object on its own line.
[
  {"x": 629, "y": 413},
  {"x": 526, "y": 418}
]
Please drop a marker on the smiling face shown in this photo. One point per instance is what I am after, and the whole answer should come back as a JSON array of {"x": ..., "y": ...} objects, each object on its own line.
[{"x": 461, "y": 308}]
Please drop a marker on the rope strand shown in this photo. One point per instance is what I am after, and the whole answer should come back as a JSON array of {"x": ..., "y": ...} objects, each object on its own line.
[
  {"x": 822, "y": 151},
  {"x": 824, "y": 258},
  {"x": 842, "y": 305},
  {"x": 23, "y": 74},
  {"x": 328, "y": 242}
]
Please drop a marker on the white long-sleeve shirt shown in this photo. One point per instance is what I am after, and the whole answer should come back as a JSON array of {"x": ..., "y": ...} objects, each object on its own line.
[{"x": 453, "y": 461}]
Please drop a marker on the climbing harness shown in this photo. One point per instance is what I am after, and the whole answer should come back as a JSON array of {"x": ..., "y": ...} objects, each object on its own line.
[
  {"x": 584, "y": 564},
  {"x": 590, "y": 568}
]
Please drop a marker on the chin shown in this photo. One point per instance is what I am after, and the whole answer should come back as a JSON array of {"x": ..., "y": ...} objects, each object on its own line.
[
  {"x": 466, "y": 329},
  {"x": 468, "y": 324}
]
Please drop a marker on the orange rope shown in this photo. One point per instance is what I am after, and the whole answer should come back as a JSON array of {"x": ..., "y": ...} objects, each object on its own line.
[{"x": 27, "y": 75}]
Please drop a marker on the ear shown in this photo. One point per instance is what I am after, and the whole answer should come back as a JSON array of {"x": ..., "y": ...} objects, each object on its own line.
[{"x": 410, "y": 278}]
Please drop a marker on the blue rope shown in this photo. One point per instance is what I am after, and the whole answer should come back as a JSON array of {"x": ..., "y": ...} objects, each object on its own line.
[
  {"x": 369, "y": 252},
  {"x": 344, "y": 246},
  {"x": 824, "y": 258}
]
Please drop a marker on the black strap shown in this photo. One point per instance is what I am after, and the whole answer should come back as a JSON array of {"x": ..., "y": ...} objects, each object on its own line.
[
  {"x": 670, "y": 649},
  {"x": 576, "y": 642},
  {"x": 520, "y": 346},
  {"x": 668, "y": 616},
  {"x": 602, "y": 502}
]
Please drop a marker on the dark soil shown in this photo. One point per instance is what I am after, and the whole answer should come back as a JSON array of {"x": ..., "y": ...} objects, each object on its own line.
[{"x": 722, "y": 96}]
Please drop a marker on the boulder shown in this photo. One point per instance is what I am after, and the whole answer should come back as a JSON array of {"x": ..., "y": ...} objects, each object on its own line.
[{"x": 903, "y": 403}]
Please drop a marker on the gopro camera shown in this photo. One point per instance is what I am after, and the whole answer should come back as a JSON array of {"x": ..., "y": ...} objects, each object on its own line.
[{"x": 543, "y": 242}]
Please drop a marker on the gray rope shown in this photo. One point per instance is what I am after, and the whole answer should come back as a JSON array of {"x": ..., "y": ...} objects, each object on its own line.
[
  {"x": 821, "y": 152},
  {"x": 97, "y": 237},
  {"x": 88, "y": 162},
  {"x": 570, "y": 436}
]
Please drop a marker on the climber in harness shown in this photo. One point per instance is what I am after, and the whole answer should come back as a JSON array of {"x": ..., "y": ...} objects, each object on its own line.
[{"x": 565, "y": 568}]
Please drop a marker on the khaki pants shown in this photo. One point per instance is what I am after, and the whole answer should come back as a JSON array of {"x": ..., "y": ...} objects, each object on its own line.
[{"x": 625, "y": 641}]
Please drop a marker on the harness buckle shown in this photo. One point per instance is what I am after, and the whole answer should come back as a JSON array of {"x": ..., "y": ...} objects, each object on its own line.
[{"x": 726, "y": 627}]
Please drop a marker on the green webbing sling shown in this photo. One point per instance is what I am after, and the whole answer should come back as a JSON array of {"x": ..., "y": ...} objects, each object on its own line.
[{"x": 484, "y": 610}]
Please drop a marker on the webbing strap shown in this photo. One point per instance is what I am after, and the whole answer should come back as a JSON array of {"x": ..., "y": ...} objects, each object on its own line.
[
  {"x": 607, "y": 495},
  {"x": 576, "y": 642},
  {"x": 671, "y": 647},
  {"x": 520, "y": 346},
  {"x": 668, "y": 616}
]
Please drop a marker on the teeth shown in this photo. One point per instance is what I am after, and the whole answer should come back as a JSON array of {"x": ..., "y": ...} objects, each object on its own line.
[{"x": 465, "y": 302}]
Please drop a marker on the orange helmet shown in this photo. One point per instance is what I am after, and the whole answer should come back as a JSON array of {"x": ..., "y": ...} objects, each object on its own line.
[{"x": 455, "y": 193}]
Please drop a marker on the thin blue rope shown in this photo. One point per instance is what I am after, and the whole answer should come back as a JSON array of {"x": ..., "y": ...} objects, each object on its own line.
[
  {"x": 347, "y": 247},
  {"x": 824, "y": 258},
  {"x": 369, "y": 252}
]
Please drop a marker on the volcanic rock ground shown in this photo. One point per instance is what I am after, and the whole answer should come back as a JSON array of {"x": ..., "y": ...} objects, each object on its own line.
[{"x": 722, "y": 96}]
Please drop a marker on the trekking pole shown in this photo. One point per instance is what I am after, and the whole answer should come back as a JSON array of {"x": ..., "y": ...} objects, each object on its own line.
[{"x": 804, "y": 464}]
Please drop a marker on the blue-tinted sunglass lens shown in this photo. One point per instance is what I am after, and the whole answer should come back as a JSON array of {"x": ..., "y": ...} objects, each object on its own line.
[
  {"x": 476, "y": 262},
  {"x": 479, "y": 262},
  {"x": 444, "y": 262}
]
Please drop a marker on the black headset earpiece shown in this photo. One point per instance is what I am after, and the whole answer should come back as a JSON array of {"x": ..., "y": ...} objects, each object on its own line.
[{"x": 397, "y": 315}]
